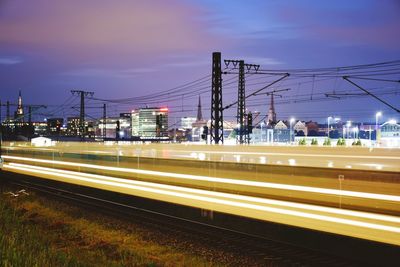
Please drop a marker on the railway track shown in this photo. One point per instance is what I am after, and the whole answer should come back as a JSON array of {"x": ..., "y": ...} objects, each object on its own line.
[{"x": 259, "y": 250}]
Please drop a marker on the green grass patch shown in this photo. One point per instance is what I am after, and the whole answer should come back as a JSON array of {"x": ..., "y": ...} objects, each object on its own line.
[{"x": 37, "y": 231}]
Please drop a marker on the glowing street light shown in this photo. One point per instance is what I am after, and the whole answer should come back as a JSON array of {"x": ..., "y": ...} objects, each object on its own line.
[
  {"x": 291, "y": 121},
  {"x": 355, "y": 131},
  {"x": 329, "y": 118},
  {"x": 262, "y": 124},
  {"x": 348, "y": 125},
  {"x": 377, "y": 115}
]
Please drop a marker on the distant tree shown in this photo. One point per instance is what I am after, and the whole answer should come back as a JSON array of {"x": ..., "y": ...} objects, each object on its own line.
[
  {"x": 327, "y": 142},
  {"x": 233, "y": 134},
  {"x": 302, "y": 142},
  {"x": 356, "y": 143},
  {"x": 341, "y": 142},
  {"x": 314, "y": 142}
]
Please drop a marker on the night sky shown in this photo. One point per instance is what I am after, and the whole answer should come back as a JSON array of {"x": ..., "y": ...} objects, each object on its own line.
[{"x": 124, "y": 49}]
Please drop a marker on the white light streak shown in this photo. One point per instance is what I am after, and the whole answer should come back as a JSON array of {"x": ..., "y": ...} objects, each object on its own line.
[
  {"x": 220, "y": 194},
  {"x": 309, "y": 189},
  {"x": 217, "y": 201}
]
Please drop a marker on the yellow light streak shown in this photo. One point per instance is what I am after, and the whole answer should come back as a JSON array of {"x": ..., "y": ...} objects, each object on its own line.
[
  {"x": 288, "y": 154},
  {"x": 217, "y": 201},
  {"x": 225, "y": 195},
  {"x": 309, "y": 189}
]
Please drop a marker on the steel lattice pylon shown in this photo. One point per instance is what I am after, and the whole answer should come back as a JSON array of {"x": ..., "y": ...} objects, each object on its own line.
[
  {"x": 241, "y": 107},
  {"x": 217, "y": 128}
]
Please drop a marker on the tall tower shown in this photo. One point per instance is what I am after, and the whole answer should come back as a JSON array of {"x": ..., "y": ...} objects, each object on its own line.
[
  {"x": 271, "y": 112},
  {"x": 19, "y": 113},
  {"x": 199, "y": 113},
  {"x": 217, "y": 126}
]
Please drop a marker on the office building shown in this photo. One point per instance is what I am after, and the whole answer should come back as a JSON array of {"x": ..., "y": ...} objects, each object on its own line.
[{"x": 150, "y": 122}]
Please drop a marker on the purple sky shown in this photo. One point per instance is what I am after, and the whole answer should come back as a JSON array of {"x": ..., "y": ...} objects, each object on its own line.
[{"x": 122, "y": 49}]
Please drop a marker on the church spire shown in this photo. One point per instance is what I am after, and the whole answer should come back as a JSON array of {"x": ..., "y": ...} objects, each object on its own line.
[
  {"x": 199, "y": 114},
  {"x": 271, "y": 111},
  {"x": 19, "y": 114}
]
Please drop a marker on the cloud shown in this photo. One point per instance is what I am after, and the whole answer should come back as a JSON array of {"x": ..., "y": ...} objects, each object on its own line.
[
  {"x": 263, "y": 61},
  {"x": 10, "y": 60},
  {"x": 106, "y": 28},
  {"x": 354, "y": 24},
  {"x": 110, "y": 73}
]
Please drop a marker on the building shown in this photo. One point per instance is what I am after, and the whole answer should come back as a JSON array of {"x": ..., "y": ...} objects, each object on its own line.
[
  {"x": 300, "y": 128},
  {"x": 271, "y": 118},
  {"x": 149, "y": 122},
  {"x": 73, "y": 128},
  {"x": 278, "y": 132},
  {"x": 39, "y": 128},
  {"x": 187, "y": 123},
  {"x": 281, "y": 125},
  {"x": 19, "y": 113},
  {"x": 270, "y": 135},
  {"x": 389, "y": 134},
  {"x": 198, "y": 125},
  {"x": 125, "y": 115},
  {"x": 54, "y": 126},
  {"x": 312, "y": 128},
  {"x": 114, "y": 127}
]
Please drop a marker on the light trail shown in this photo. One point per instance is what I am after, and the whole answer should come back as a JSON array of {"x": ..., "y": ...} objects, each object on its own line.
[
  {"x": 240, "y": 153},
  {"x": 77, "y": 176},
  {"x": 224, "y": 195},
  {"x": 308, "y": 189},
  {"x": 286, "y": 154}
]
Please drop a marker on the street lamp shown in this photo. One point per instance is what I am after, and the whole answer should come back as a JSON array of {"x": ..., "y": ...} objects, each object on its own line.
[
  {"x": 377, "y": 115},
  {"x": 290, "y": 129},
  {"x": 348, "y": 125},
  {"x": 328, "y": 124},
  {"x": 262, "y": 124},
  {"x": 355, "y": 131}
]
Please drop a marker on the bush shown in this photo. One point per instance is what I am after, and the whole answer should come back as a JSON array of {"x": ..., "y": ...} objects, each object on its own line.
[
  {"x": 327, "y": 142},
  {"x": 302, "y": 142},
  {"x": 356, "y": 143},
  {"x": 341, "y": 142},
  {"x": 314, "y": 142}
]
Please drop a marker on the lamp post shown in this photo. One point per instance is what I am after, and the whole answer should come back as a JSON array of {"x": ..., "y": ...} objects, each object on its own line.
[
  {"x": 377, "y": 115},
  {"x": 329, "y": 118},
  {"x": 355, "y": 131},
  {"x": 262, "y": 124},
  {"x": 370, "y": 131},
  {"x": 290, "y": 129},
  {"x": 348, "y": 125}
]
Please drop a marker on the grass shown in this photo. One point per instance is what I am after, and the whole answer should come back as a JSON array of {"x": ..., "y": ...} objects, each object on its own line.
[
  {"x": 37, "y": 232},
  {"x": 23, "y": 243}
]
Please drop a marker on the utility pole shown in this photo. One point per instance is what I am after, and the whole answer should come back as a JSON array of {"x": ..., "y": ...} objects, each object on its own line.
[
  {"x": 217, "y": 127},
  {"x": 243, "y": 135},
  {"x": 32, "y": 108},
  {"x": 8, "y": 112},
  {"x": 241, "y": 107},
  {"x": 82, "y": 94},
  {"x": 117, "y": 130},
  {"x": 249, "y": 127},
  {"x": 104, "y": 122},
  {"x": 30, "y": 115}
]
